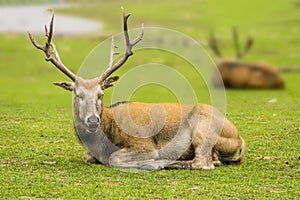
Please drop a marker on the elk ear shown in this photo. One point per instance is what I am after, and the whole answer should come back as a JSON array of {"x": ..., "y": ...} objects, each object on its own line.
[
  {"x": 109, "y": 82},
  {"x": 66, "y": 85}
]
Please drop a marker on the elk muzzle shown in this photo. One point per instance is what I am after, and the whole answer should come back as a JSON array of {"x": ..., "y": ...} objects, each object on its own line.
[{"x": 93, "y": 122}]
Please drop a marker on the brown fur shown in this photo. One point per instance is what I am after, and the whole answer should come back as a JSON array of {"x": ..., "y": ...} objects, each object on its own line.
[{"x": 245, "y": 75}]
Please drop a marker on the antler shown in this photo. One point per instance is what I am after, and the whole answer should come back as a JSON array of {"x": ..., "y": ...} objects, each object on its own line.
[
  {"x": 236, "y": 43},
  {"x": 213, "y": 43},
  {"x": 111, "y": 68},
  {"x": 248, "y": 44},
  {"x": 51, "y": 52}
]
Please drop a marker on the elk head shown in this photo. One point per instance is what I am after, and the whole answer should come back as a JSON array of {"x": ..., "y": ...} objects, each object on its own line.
[{"x": 88, "y": 92}]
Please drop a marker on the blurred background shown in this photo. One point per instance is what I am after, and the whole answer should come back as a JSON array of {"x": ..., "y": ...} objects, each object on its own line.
[
  {"x": 36, "y": 117},
  {"x": 82, "y": 24}
]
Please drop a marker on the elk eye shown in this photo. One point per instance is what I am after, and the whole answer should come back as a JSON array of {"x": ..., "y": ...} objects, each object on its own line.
[
  {"x": 100, "y": 96},
  {"x": 80, "y": 96}
]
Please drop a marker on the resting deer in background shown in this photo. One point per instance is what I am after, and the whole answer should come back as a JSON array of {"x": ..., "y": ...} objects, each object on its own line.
[
  {"x": 236, "y": 74},
  {"x": 139, "y": 135}
]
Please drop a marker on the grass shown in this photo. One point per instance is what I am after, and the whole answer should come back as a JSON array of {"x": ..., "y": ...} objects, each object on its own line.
[{"x": 40, "y": 157}]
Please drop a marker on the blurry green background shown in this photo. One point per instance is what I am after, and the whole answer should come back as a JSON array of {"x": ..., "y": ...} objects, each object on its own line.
[{"x": 40, "y": 156}]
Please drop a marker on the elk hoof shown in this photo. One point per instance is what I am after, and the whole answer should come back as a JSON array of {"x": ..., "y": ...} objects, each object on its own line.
[
  {"x": 88, "y": 158},
  {"x": 208, "y": 167}
]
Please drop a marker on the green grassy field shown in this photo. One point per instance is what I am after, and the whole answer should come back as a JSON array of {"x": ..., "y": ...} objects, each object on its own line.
[{"x": 41, "y": 158}]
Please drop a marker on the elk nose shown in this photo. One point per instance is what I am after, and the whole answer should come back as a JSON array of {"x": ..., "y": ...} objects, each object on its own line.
[{"x": 93, "y": 119}]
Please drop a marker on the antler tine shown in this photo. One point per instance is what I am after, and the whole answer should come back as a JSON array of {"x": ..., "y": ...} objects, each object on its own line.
[
  {"x": 128, "y": 52},
  {"x": 236, "y": 43},
  {"x": 51, "y": 52},
  {"x": 249, "y": 44},
  {"x": 112, "y": 52},
  {"x": 213, "y": 43}
]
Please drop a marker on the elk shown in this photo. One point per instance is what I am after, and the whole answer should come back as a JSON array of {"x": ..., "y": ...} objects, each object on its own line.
[
  {"x": 236, "y": 74},
  {"x": 148, "y": 136}
]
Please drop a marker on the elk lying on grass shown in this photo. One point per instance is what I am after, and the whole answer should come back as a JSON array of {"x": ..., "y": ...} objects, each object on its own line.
[
  {"x": 144, "y": 135},
  {"x": 236, "y": 74}
]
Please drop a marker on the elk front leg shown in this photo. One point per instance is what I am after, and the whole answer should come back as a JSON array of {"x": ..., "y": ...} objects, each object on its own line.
[{"x": 128, "y": 159}]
